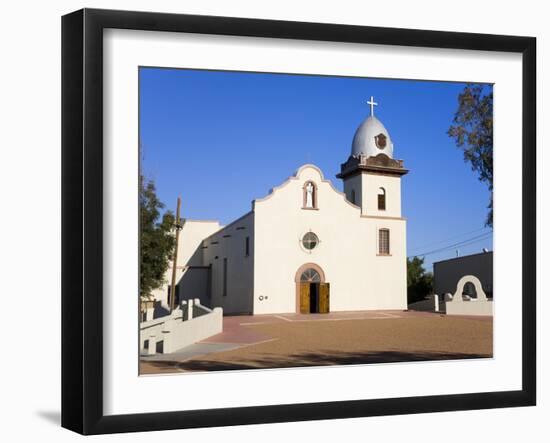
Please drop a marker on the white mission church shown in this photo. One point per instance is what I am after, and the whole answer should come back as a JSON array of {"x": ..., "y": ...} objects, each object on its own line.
[{"x": 306, "y": 247}]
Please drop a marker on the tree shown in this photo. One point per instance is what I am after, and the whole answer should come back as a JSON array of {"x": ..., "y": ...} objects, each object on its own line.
[
  {"x": 419, "y": 282},
  {"x": 156, "y": 239},
  {"x": 472, "y": 131}
]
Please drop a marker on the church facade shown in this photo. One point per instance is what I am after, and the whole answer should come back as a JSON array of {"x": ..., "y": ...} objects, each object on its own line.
[{"x": 306, "y": 247}]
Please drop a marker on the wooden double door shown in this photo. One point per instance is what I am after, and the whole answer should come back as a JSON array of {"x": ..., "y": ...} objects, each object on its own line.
[{"x": 314, "y": 298}]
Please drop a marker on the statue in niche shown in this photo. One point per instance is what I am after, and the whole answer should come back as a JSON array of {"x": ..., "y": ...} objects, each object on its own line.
[{"x": 309, "y": 195}]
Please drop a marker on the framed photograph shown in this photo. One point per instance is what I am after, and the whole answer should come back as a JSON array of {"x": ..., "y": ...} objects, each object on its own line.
[{"x": 269, "y": 221}]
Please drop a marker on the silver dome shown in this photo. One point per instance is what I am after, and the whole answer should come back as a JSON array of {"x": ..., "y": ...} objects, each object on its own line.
[{"x": 371, "y": 139}]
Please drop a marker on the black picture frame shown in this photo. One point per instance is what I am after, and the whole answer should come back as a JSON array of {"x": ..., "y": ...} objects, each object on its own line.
[{"x": 82, "y": 215}]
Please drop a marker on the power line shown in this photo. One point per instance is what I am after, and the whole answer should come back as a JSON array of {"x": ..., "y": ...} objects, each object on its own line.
[
  {"x": 437, "y": 242},
  {"x": 466, "y": 242}
]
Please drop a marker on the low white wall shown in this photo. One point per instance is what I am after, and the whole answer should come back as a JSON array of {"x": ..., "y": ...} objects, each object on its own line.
[
  {"x": 177, "y": 331},
  {"x": 471, "y": 307},
  {"x": 459, "y": 304},
  {"x": 179, "y": 334},
  {"x": 152, "y": 329}
]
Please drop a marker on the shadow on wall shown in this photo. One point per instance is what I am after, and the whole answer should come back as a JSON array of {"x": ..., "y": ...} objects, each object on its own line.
[
  {"x": 195, "y": 281},
  {"x": 196, "y": 257},
  {"x": 306, "y": 359},
  {"x": 160, "y": 311}
]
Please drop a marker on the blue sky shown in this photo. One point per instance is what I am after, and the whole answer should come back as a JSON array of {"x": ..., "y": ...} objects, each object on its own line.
[{"x": 254, "y": 130}]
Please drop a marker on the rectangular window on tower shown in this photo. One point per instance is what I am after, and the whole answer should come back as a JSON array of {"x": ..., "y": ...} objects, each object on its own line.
[
  {"x": 384, "y": 242},
  {"x": 247, "y": 247}
]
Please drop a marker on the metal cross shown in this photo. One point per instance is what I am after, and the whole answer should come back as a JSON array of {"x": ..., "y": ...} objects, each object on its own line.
[{"x": 372, "y": 104}]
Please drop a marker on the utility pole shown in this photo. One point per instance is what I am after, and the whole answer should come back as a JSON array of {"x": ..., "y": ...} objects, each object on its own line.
[{"x": 178, "y": 227}]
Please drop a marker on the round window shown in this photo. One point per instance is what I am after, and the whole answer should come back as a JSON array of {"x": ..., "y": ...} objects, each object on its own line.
[{"x": 310, "y": 241}]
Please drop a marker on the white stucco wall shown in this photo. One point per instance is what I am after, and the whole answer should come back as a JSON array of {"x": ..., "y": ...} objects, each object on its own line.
[
  {"x": 230, "y": 243},
  {"x": 189, "y": 252},
  {"x": 195, "y": 284},
  {"x": 371, "y": 183},
  {"x": 359, "y": 278},
  {"x": 353, "y": 184},
  {"x": 366, "y": 186},
  {"x": 177, "y": 330},
  {"x": 472, "y": 307},
  {"x": 184, "y": 333}
]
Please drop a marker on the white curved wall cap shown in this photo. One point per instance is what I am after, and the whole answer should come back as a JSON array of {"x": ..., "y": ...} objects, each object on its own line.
[
  {"x": 364, "y": 140},
  {"x": 295, "y": 176},
  {"x": 299, "y": 171}
]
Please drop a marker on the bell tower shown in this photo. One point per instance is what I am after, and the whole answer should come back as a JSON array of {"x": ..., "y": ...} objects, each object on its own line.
[{"x": 372, "y": 177}]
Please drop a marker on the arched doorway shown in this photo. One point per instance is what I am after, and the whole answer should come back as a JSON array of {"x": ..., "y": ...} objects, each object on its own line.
[{"x": 312, "y": 291}]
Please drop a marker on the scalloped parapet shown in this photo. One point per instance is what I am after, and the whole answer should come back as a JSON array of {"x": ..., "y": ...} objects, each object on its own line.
[{"x": 297, "y": 176}]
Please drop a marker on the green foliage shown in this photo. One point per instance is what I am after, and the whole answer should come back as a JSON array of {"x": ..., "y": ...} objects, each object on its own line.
[
  {"x": 419, "y": 282},
  {"x": 156, "y": 240},
  {"x": 472, "y": 131}
]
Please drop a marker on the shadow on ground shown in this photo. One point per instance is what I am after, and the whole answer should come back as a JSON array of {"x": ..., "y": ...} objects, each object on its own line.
[
  {"x": 54, "y": 417},
  {"x": 307, "y": 359}
]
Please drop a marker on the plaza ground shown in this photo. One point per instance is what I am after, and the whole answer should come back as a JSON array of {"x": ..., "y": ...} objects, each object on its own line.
[{"x": 295, "y": 340}]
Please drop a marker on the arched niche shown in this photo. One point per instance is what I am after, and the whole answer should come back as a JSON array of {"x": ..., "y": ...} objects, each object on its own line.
[
  {"x": 381, "y": 199},
  {"x": 310, "y": 197},
  {"x": 481, "y": 296}
]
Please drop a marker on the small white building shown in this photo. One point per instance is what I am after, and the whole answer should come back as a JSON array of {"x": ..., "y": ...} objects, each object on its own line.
[
  {"x": 448, "y": 272},
  {"x": 307, "y": 247}
]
